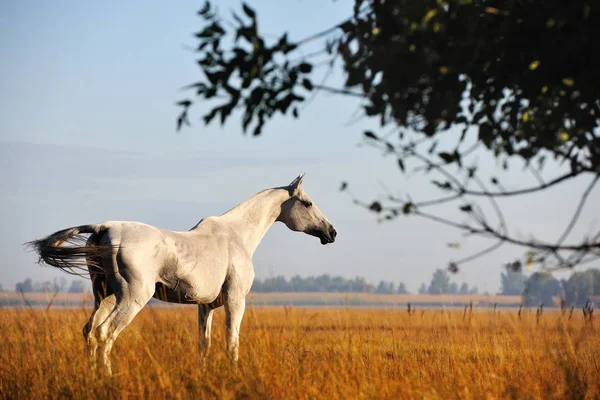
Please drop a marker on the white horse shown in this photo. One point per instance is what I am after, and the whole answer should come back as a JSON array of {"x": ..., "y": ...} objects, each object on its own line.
[{"x": 209, "y": 265}]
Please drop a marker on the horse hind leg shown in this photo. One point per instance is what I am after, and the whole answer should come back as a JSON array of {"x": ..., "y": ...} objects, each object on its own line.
[
  {"x": 124, "y": 311},
  {"x": 98, "y": 316},
  {"x": 205, "y": 314},
  {"x": 131, "y": 295},
  {"x": 104, "y": 302}
]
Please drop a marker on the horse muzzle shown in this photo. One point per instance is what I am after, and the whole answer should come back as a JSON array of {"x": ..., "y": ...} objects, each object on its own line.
[{"x": 328, "y": 236}]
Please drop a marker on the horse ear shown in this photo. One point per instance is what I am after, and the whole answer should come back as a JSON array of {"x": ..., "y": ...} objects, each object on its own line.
[{"x": 297, "y": 182}]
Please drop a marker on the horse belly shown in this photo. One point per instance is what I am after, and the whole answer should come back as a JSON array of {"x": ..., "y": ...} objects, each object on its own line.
[
  {"x": 169, "y": 295},
  {"x": 188, "y": 289}
]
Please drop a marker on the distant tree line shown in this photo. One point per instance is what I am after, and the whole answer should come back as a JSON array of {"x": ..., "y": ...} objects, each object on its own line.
[
  {"x": 325, "y": 283},
  {"x": 442, "y": 284},
  {"x": 57, "y": 285},
  {"x": 542, "y": 287},
  {"x": 538, "y": 288}
]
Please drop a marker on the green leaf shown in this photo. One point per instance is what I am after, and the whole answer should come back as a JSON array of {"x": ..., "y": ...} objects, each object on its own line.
[
  {"x": 247, "y": 118},
  {"x": 205, "y": 9},
  {"x": 447, "y": 157},
  {"x": 453, "y": 267},
  {"x": 305, "y": 67},
  {"x": 376, "y": 207},
  {"x": 458, "y": 158},
  {"x": 307, "y": 84},
  {"x": 182, "y": 119},
  {"x": 466, "y": 208},
  {"x": 208, "y": 117},
  {"x": 346, "y": 26},
  {"x": 516, "y": 266},
  {"x": 433, "y": 146},
  {"x": 408, "y": 207},
  {"x": 442, "y": 185},
  {"x": 248, "y": 11},
  {"x": 205, "y": 33},
  {"x": 354, "y": 78},
  {"x": 401, "y": 164},
  {"x": 371, "y": 135}
]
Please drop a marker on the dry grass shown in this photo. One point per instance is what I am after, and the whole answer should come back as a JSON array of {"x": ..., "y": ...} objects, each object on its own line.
[{"x": 308, "y": 353}]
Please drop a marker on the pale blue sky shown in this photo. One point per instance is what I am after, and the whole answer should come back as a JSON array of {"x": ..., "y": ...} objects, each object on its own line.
[{"x": 87, "y": 120}]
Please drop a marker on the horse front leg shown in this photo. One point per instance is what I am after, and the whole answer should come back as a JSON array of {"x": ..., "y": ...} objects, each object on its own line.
[
  {"x": 205, "y": 315},
  {"x": 234, "y": 313}
]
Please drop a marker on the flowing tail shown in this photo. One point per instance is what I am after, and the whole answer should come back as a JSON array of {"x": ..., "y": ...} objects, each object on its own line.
[{"x": 83, "y": 253}]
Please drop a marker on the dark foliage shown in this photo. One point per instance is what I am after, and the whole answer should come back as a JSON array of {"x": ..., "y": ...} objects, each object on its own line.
[{"x": 517, "y": 79}]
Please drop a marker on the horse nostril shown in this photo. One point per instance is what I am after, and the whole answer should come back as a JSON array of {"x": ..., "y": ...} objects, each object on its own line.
[{"x": 333, "y": 233}]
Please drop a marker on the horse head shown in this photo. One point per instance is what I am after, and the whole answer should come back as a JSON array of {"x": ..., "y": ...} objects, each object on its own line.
[{"x": 299, "y": 213}]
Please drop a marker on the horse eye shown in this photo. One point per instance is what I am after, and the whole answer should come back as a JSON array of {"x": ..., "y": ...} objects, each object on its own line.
[{"x": 306, "y": 203}]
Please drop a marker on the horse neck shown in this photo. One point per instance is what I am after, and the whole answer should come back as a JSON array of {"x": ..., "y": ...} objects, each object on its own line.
[{"x": 253, "y": 218}]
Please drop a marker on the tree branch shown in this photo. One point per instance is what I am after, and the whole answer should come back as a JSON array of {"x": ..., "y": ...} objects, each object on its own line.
[
  {"x": 339, "y": 91},
  {"x": 487, "y": 193},
  {"x": 578, "y": 210},
  {"x": 327, "y": 31},
  {"x": 481, "y": 253},
  {"x": 482, "y": 227},
  {"x": 488, "y": 231}
]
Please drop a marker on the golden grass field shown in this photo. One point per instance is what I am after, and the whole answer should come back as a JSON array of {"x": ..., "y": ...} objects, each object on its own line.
[{"x": 304, "y": 353}]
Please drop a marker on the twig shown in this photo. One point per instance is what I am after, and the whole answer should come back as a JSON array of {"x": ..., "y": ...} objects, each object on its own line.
[
  {"x": 339, "y": 91},
  {"x": 27, "y": 303},
  {"x": 480, "y": 253},
  {"x": 578, "y": 210},
  {"x": 490, "y": 232},
  {"x": 327, "y": 31},
  {"x": 51, "y": 300}
]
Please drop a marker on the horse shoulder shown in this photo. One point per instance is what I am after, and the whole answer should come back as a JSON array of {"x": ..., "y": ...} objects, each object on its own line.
[{"x": 241, "y": 271}]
